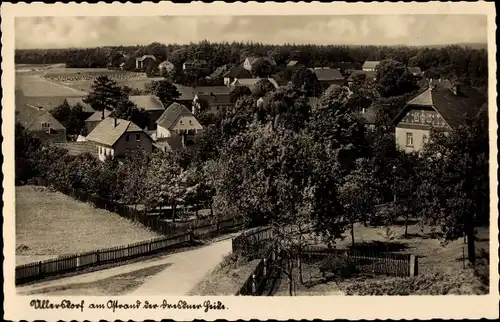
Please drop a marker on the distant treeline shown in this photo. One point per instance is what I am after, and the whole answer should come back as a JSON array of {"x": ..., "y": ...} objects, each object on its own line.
[{"x": 466, "y": 64}]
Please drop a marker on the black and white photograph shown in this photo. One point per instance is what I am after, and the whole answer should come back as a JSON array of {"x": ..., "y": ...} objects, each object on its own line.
[{"x": 325, "y": 155}]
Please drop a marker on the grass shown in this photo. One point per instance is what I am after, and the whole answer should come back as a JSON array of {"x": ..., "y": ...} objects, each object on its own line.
[
  {"x": 51, "y": 224},
  {"x": 33, "y": 85},
  {"x": 227, "y": 278},
  {"x": 111, "y": 286},
  {"x": 63, "y": 71}
]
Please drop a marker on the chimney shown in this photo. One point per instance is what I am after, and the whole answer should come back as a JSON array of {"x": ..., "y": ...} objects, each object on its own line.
[{"x": 114, "y": 119}]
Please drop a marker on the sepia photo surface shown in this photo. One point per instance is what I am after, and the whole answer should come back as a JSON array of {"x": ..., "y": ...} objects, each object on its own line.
[{"x": 249, "y": 161}]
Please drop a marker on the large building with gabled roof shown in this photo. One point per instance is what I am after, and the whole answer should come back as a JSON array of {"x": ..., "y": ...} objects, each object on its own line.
[
  {"x": 177, "y": 121},
  {"x": 113, "y": 137},
  {"x": 442, "y": 107}
]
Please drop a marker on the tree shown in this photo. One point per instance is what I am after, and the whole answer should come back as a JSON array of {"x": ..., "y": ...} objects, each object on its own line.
[
  {"x": 305, "y": 79},
  {"x": 164, "y": 183},
  {"x": 127, "y": 110},
  {"x": 393, "y": 79},
  {"x": 454, "y": 174},
  {"x": 132, "y": 173},
  {"x": 358, "y": 195},
  {"x": 26, "y": 147},
  {"x": 165, "y": 90},
  {"x": 239, "y": 91},
  {"x": 71, "y": 117},
  {"x": 262, "y": 68},
  {"x": 262, "y": 87},
  {"x": 106, "y": 94}
]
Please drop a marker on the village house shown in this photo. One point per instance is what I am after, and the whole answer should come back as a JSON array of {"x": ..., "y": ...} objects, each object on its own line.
[
  {"x": 96, "y": 118},
  {"x": 236, "y": 72},
  {"x": 356, "y": 75},
  {"x": 214, "y": 102},
  {"x": 327, "y": 76},
  {"x": 80, "y": 147},
  {"x": 344, "y": 67},
  {"x": 114, "y": 137},
  {"x": 152, "y": 105},
  {"x": 197, "y": 64},
  {"x": 166, "y": 67},
  {"x": 145, "y": 62},
  {"x": 370, "y": 65},
  {"x": 218, "y": 73},
  {"x": 178, "y": 121},
  {"x": 75, "y": 101},
  {"x": 441, "y": 107},
  {"x": 251, "y": 61},
  {"x": 38, "y": 121},
  {"x": 250, "y": 82}
]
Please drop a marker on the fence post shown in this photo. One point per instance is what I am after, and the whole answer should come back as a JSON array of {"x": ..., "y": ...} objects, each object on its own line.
[
  {"x": 40, "y": 272},
  {"x": 413, "y": 265},
  {"x": 97, "y": 256},
  {"x": 254, "y": 285}
]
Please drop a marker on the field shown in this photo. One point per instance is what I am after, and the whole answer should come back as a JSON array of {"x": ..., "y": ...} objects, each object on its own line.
[
  {"x": 36, "y": 86},
  {"x": 49, "y": 224}
]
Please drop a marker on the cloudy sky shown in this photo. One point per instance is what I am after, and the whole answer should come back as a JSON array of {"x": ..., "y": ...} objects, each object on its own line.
[{"x": 63, "y": 32}]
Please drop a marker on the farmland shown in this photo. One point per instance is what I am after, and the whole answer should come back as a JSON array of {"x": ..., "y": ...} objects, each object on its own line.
[
  {"x": 49, "y": 224},
  {"x": 36, "y": 86}
]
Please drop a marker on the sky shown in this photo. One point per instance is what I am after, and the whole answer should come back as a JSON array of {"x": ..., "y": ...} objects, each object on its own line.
[{"x": 92, "y": 31}]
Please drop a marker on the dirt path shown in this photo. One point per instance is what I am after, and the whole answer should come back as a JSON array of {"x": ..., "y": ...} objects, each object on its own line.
[{"x": 180, "y": 273}]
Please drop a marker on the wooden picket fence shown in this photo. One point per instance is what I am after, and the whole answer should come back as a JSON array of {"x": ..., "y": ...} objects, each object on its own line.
[
  {"x": 256, "y": 282},
  {"x": 371, "y": 262},
  {"x": 75, "y": 262}
]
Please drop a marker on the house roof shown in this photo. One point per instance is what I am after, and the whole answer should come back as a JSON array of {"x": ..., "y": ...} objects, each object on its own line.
[
  {"x": 415, "y": 70},
  {"x": 218, "y": 72},
  {"x": 187, "y": 93},
  {"x": 97, "y": 116},
  {"x": 164, "y": 63},
  {"x": 147, "y": 102},
  {"x": 212, "y": 89},
  {"x": 453, "y": 108},
  {"x": 169, "y": 144},
  {"x": 216, "y": 98},
  {"x": 77, "y": 148},
  {"x": 145, "y": 57},
  {"x": 237, "y": 72},
  {"x": 369, "y": 74},
  {"x": 292, "y": 63},
  {"x": 171, "y": 114},
  {"x": 250, "y": 82},
  {"x": 328, "y": 74},
  {"x": 344, "y": 65},
  {"x": 31, "y": 118},
  {"x": 371, "y": 64},
  {"x": 78, "y": 100},
  {"x": 107, "y": 133}
]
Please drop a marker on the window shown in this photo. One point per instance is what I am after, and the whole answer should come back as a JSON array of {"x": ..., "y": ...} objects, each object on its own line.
[
  {"x": 45, "y": 125},
  {"x": 409, "y": 139},
  {"x": 137, "y": 137},
  {"x": 190, "y": 122},
  {"x": 100, "y": 150},
  {"x": 127, "y": 138},
  {"x": 180, "y": 121}
]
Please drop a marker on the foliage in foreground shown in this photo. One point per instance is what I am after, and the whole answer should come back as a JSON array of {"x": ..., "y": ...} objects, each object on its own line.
[{"x": 463, "y": 282}]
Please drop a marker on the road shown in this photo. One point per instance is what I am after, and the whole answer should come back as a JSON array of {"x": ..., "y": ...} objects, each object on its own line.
[{"x": 182, "y": 271}]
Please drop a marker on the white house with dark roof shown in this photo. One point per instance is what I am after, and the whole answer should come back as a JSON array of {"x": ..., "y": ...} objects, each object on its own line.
[
  {"x": 114, "y": 137},
  {"x": 166, "y": 67},
  {"x": 442, "y": 107},
  {"x": 177, "y": 121}
]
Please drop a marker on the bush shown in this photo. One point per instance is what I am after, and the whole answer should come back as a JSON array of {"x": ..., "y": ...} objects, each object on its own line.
[
  {"x": 338, "y": 265},
  {"x": 460, "y": 283}
]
